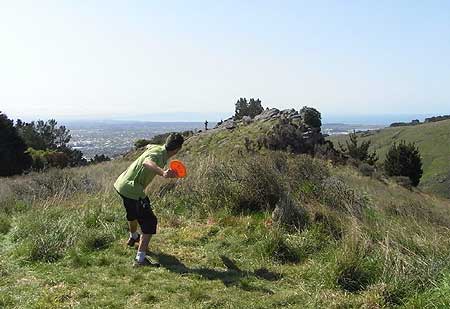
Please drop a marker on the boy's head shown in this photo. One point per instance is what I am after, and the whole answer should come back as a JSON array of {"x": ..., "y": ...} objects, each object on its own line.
[{"x": 174, "y": 143}]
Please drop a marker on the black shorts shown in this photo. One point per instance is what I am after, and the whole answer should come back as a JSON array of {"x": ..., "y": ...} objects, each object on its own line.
[{"x": 141, "y": 211}]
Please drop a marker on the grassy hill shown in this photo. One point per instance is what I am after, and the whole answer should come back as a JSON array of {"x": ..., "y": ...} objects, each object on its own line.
[
  {"x": 243, "y": 230},
  {"x": 433, "y": 140}
]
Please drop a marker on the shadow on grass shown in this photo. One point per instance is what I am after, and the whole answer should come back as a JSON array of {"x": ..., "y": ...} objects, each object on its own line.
[{"x": 232, "y": 276}]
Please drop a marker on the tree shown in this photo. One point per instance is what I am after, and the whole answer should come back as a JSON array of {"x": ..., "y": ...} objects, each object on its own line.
[
  {"x": 75, "y": 156},
  {"x": 99, "y": 158},
  {"x": 311, "y": 117},
  {"x": 254, "y": 108},
  {"x": 248, "y": 108},
  {"x": 241, "y": 109},
  {"x": 13, "y": 159},
  {"x": 43, "y": 159},
  {"x": 404, "y": 160},
  {"x": 42, "y": 135},
  {"x": 359, "y": 152}
]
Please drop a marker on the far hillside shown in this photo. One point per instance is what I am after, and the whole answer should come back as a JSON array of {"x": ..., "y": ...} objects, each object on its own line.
[{"x": 433, "y": 140}]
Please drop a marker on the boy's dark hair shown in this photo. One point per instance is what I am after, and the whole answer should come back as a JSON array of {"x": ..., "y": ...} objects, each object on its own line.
[{"x": 174, "y": 141}]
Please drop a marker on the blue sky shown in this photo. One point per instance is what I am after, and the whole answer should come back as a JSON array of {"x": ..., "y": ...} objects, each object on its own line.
[{"x": 113, "y": 59}]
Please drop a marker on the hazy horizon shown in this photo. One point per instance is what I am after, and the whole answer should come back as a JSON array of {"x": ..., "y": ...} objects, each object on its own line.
[{"x": 363, "y": 119}]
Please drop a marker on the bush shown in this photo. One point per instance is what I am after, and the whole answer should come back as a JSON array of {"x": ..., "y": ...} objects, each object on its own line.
[
  {"x": 99, "y": 158},
  {"x": 96, "y": 240},
  {"x": 311, "y": 117},
  {"x": 403, "y": 181},
  {"x": 250, "y": 109},
  {"x": 359, "y": 152},
  {"x": 52, "y": 183},
  {"x": 356, "y": 267},
  {"x": 404, "y": 160},
  {"x": 366, "y": 169},
  {"x": 13, "y": 159},
  {"x": 279, "y": 250},
  {"x": 243, "y": 184},
  {"x": 290, "y": 215},
  {"x": 43, "y": 159},
  {"x": 45, "y": 235},
  {"x": 338, "y": 195},
  {"x": 140, "y": 143},
  {"x": 159, "y": 139}
]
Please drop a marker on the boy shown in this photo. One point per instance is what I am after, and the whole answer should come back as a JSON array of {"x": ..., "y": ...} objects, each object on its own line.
[{"x": 131, "y": 186}]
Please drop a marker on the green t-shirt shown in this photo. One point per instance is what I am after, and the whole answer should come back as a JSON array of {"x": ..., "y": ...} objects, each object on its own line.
[{"x": 136, "y": 177}]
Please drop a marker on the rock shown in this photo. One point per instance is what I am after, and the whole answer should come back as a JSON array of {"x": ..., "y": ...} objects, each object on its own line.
[
  {"x": 268, "y": 114},
  {"x": 247, "y": 120},
  {"x": 229, "y": 124}
]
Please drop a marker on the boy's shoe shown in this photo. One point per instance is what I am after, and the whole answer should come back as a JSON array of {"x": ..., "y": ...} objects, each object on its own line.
[
  {"x": 145, "y": 262},
  {"x": 131, "y": 241}
]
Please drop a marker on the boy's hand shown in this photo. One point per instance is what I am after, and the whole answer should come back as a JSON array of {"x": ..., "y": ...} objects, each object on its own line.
[{"x": 169, "y": 174}]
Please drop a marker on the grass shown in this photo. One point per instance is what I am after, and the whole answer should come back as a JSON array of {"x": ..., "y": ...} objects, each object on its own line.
[
  {"x": 366, "y": 243},
  {"x": 431, "y": 138}
]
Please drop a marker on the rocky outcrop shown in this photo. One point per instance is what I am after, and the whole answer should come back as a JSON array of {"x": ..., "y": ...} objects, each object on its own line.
[{"x": 267, "y": 115}]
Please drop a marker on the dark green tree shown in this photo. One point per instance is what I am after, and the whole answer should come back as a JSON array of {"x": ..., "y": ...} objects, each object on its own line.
[
  {"x": 42, "y": 135},
  {"x": 13, "y": 158},
  {"x": 241, "y": 109},
  {"x": 359, "y": 152},
  {"x": 99, "y": 158},
  {"x": 311, "y": 117},
  {"x": 404, "y": 160},
  {"x": 248, "y": 108},
  {"x": 75, "y": 156},
  {"x": 254, "y": 108}
]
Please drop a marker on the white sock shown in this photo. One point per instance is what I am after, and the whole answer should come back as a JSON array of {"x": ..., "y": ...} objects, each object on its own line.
[
  {"x": 140, "y": 256},
  {"x": 134, "y": 235}
]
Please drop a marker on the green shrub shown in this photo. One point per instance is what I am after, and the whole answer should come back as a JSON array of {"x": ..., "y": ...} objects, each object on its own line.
[
  {"x": 95, "y": 240},
  {"x": 359, "y": 152},
  {"x": 13, "y": 158},
  {"x": 289, "y": 214},
  {"x": 355, "y": 268},
  {"x": 140, "y": 143},
  {"x": 338, "y": 195},
  {"x": 366, "y": 169},
  {"x": 404, "y": 160},
  {"x": 311, "y": 117},
  {"x": 247, "y": 108},
  {"x": 46, "y": 234},
  {"x": 53, "y": 183},
  {"x": 238, "y": 184},
  {"x": 278, "y": 249}
]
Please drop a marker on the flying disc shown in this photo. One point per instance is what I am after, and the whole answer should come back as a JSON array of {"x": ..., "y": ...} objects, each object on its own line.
[{"x": 179, "y": 168}]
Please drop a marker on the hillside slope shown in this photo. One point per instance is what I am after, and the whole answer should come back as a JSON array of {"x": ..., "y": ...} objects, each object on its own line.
[
  {"x": 433, "y": 140},
  {"x": 243, "y": 230}
]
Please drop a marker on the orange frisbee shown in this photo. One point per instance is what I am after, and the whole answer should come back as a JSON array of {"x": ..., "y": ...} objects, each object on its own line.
[{"x": 178, "y": 167}]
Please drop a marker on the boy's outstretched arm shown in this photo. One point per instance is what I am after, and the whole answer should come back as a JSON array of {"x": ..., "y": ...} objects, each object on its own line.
[{"x": 159, "y": 171}]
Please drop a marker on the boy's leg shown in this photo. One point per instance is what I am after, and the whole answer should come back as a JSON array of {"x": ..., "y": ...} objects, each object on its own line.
[
  {"x": 145, "y": 240},
  {"x": 148, "y": 222},
  {"x": 132, "y": 226},
  {"x": 130, "y": 206}
]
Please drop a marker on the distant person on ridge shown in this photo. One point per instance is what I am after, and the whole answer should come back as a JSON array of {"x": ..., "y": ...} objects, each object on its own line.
[{"x": 131, "y": 186}]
